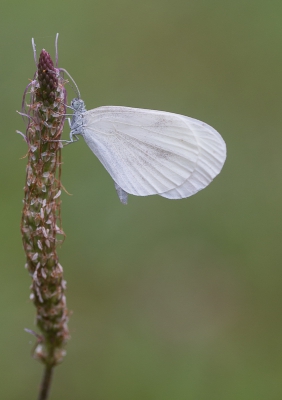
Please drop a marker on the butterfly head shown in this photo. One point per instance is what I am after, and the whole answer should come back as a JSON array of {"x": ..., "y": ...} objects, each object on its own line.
[{"x": 78, "y": 105}]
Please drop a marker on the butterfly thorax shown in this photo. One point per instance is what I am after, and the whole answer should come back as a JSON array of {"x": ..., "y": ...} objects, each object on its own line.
[{"x": 76, "y": 124}]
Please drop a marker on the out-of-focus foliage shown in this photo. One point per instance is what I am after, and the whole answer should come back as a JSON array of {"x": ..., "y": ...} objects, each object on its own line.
[{"x": 170, "y": 299}]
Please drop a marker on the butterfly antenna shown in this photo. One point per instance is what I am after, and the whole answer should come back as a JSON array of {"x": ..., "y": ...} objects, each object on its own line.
[
  {"x": 76, "y": 87},
  {"x": 56, "y": 48},
  {"x": 34, "y": 51}
]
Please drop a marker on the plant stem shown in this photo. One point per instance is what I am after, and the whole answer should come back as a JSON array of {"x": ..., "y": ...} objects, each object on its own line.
[{"x": 46, "y": 383}]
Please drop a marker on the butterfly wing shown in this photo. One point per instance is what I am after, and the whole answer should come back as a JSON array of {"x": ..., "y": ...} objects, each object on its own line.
[
  {"x": 154, "y": 152},
  {"x": 210, "y": 162}
]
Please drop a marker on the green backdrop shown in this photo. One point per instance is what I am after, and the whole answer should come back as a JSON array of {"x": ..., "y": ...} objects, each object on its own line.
[{"x": 171, "y": 300}]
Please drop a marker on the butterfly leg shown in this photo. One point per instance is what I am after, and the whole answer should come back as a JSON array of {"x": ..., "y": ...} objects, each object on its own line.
[{"x": 73, "y": 137}]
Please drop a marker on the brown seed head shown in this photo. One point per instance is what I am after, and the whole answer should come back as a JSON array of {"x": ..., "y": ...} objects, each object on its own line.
[{"x": 47, "y": 78}]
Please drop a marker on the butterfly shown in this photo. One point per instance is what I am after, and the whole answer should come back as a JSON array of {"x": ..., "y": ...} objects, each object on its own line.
[{"x": 149, "y": 152}]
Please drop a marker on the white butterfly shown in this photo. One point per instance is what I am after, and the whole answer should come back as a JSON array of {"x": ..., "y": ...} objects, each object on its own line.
[{"x": 150, "y": 152}]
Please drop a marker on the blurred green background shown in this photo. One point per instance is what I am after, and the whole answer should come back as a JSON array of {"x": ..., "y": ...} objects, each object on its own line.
[{"x": 170, "y": 299}]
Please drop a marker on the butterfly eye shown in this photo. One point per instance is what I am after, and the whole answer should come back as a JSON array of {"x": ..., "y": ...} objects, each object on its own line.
[{"x": 73, "y": 102}]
